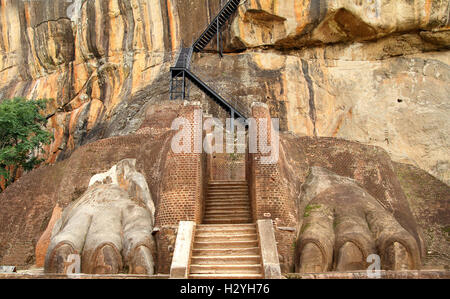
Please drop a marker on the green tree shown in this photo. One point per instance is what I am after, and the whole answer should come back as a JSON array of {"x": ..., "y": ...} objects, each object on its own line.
[{"x": 22, "y": 136}]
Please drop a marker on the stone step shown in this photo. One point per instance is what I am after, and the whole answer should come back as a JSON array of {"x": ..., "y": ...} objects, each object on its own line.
[
  {"x": 226, "y": 220},
  {"x": 227, "y": 197},
  {"x": 225, "y": 213},
  {"x": 230, "y": 228},
  {"x": 214, "y": 205},
  {"x": 226, "y": 244},
  {"x": 226, "y": 182},
  {"x": 228, "y": 201},
  {"x": 218, "y": 209},
  {"x": 226, "y": 260},
  {"x": 246, "y": 218},
  {"x": 228, "y": 187},
  {"x": 238, "y": 186},
  {"x": 203, "y": 226},
  {"x": 243, "y": 205},
  {"x": 202, "y": 233},
  {"x": 223, "y": 208},
  {"x": 226, "y": 276},
  {"x": 226, "y": 269},
  {"x": 222, "y": 237},
  {"x": 227, "y": 232},
  {"x": 225, "y": 189},
  {"x": 226, "y": 192},
  {"x": 231, "y": 215},
  {"x": 226, "y": 251}
]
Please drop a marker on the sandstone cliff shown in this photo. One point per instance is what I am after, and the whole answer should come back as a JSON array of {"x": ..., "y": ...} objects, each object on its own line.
[
  {"x": 371, "y": 71},
  {"x": 364, "y": 71}
]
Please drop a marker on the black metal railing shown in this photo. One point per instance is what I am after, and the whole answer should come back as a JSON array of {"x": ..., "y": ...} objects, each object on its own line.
[
  {"x": 181, "y": 72},
  {"x": 214, "y": 27}
]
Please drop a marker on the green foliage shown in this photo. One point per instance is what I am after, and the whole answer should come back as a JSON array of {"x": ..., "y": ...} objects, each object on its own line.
[
  {"x": 310, "y": 208},
  {"x": 446, "y": 229},
  {"x": 22, "y": 136},
  {"x": 234, "y": 157},
  {"x": 304, "y": 227}
]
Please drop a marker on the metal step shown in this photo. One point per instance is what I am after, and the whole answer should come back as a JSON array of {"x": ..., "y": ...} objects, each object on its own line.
[{"x": 222, "y": 17}]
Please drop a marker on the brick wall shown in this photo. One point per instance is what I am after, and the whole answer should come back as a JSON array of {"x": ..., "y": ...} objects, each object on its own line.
[
  {"x": 269, "y": 194},
  {"x": 181, "y": 191},
  {"x": 227, "y": 167}
]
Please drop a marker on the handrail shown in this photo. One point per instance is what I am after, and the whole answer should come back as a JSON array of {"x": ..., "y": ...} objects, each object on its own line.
[
  {"x": 183, "y": 64},
  {"x": 213, "y": 23},
  {"x": 235, "y": 105}
]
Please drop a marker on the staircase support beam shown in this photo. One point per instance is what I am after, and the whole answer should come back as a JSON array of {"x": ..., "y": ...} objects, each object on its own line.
[{"x": 219, "y": 39}]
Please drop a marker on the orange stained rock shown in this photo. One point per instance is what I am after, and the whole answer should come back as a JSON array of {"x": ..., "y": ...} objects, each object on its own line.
[
  {"x": 74, "y": 118},
  {"x": 428, "y": 5},
  {"x": 44, "y": 241},
  {"x": 299, "y": 8},
  {"x": 94, "y": 112},
  {"x": 172, "y": 25},
  {"x": 4, "y": 21}
]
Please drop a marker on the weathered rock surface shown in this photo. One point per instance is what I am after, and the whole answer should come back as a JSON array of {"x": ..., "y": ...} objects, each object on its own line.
[
  {"x": 398, "y": 103},
  {"x": 27, "y": 206},
  {"x": 343, "y": 225},
  {"x": 295, "y": 23},
  {"x": 109, "y": 227},
  {"x": 329, "y": 68},
  {"x": 369, "y": 166},
  {"x": 429, "y": 200}
]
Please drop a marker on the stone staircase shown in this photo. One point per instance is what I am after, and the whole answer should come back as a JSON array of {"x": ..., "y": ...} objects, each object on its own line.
[
  {"x": 228, "y": 251},
  {"x": 226, "y": 245},
  {"x": 227, "y": 202}
]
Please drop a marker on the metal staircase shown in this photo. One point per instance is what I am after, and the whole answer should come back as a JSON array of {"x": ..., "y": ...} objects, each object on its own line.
[
  {"x": 178, "y": 76},
  {"x": 181, "y": 70},
  {"x": 215, "y": 25}
]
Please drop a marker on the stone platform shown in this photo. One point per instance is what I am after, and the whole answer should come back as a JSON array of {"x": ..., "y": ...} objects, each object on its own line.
[
  {"x": 423, "y": 274},
  {"x": 412, "y": 274}
]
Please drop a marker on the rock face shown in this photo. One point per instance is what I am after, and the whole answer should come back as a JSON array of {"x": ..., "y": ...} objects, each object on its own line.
[
  {"x": 89, "y": 56},
  {"x": 366, "y": 170},
  {"x": 294, "y": 23},
  {"x": 27, "y": 206},
  {"x": 429, "y": 200},
  {"x": 360, "y": 70},
  {"x": 336, "y": 92}
]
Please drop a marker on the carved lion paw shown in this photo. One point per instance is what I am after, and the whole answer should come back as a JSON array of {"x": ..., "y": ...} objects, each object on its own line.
[
  {"x": 109, "y": 227},
  {"x": 343, "y": 225}
]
